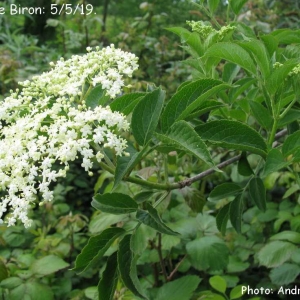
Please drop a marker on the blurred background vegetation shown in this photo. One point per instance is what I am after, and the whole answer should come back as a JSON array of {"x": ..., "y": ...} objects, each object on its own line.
[{"x": 27, "y": 44}]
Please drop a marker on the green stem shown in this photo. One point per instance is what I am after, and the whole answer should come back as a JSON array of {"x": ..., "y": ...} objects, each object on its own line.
[
  {"x": 107, "y": 160},
  {"x": 84, "y": 95},
  {"x": 166, "y": 169},
  {"x": 273, "y": 132},
  {"x": 161, "y": 199},
  {"x": 153, "y": 185},
  {"x": 287, "y": 108},
  {"x": 266, "y": 95},
  {"x": 274, "y": 126}
]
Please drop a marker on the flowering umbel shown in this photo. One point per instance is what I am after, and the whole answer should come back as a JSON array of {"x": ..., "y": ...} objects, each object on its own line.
[{"x": 47, "y": 124}]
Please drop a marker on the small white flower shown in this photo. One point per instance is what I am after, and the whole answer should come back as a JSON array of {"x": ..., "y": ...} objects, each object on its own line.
[{"x": 45, "y": 127}]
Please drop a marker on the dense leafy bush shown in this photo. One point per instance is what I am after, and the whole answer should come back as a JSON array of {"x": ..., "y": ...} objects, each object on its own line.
[{"x": 199, "y": 199}]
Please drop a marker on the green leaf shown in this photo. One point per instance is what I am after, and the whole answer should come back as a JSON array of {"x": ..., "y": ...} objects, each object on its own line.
[
  {"x": 295, "y": 223},
  {"x": 169, "y": 241},
  {"x": 236, "y": 5},
  {"x": 235, "y": 265},
  {"x": 97, "y": 245},
  {"x": 230, "y": 72},
  {"x": 195, "y": 105},
  {"x": 236, "y": 292},
  {"x": 144, "y": 196},
  {"x": 146, "y": 115},
  {"x": 127, "y": 267},
  {"x": 191, "y": 39},
  {"x": 284, "y": 274},
  {"x": 218, "y": 283},
  {"x": 224, "y": 190},
  {"x": 114, "y": 203},
  {"x": 196, "y": 64},
  {"x": 48, "y": 264},
  {"x": 233, "y": 53},
  {"x": 208, "y": 252},
  {"x": 275, "y": 253},
  {"x": 278, "y": 76},
  {"x": 141, "y": 237},
  {"x": 183, "y": 98},
  {"x": 261, "y": 114},
  {"x": 103, "y": 220},
  {"x": 287, "y": 235},
  {"x": 195, "y": 47},
  {"x": 222, "y": 218},
  {"x": 283, "y": 216},
  {"x": 11, "y": 282},
  {"x": 152, "y": 219},
  {"x": 181, "y": 32},
  {"x": 195, "y": 200},
  {"x": 291, "y": 116},
  {"x": 291, "y": 144},
  {"x": 206, "y": 106},
  {"x": 271, "y": 43},
  {"x": 257, "y": 193},
  {"x": 3, "y": 271},
  {"x": 14, "y": 236},
  {"x": 182, "y": 136},
  {"x": 239, "y": 87},
  {"x": 91, "y": 293},
  {"x": 231, "y": 134},
  {"x": 213, "y": 5},
  {"x": 32, "y": 290},
  {"x": 126, "y": 103},
  {"x": 244, "y": 168},
  {"x": 260, "y": 53},
  {"x": 125, "y": 164},
  {"x": 293, "y": 127},
  {"x": 244, "y": 29},
  {"x": 96, "y": 97},
  {"x": 274, "y": 162},
  {"x": 206, "y": 224},
  {"x": 235, "y": 213},
  {"x": 286, "y": 36},
  {"x": 108, "y": 282},
  {"x": 179, "y": 289}
]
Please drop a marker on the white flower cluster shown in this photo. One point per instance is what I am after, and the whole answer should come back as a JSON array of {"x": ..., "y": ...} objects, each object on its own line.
[{"x": 47, "y": 125}]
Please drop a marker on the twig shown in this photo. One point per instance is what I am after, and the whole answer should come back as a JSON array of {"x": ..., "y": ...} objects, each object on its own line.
[
  {"x": 176, "y": 268},
  {"x": 222, "y": 165},
  {"x": 189, "y": 181},
  {"x": 208, "y": 172},
  {"x": 161, "y": 260}
]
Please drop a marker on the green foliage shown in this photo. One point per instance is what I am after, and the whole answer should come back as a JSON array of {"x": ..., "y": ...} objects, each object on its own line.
[
  {"x": 96, "y": 247},
  {"x": 114, "y": 203},
  {"x": 276, "y": 253},
  {"x": 152, "y": 219},
  {"x": 180, "y": 289},
  {"x": 146, "y": 115},
  {"x": 183, "y": 137},
  {"x": 48, "y": 264},
  {"x": 97, "y": 96},
  {"x": 257, "y": 193},
  {"x": 127, "y": 267},
  {"x": 208, "y": 253},
  {"x": 233, "y": 53},
  {"x": 108, "y": 282}
]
